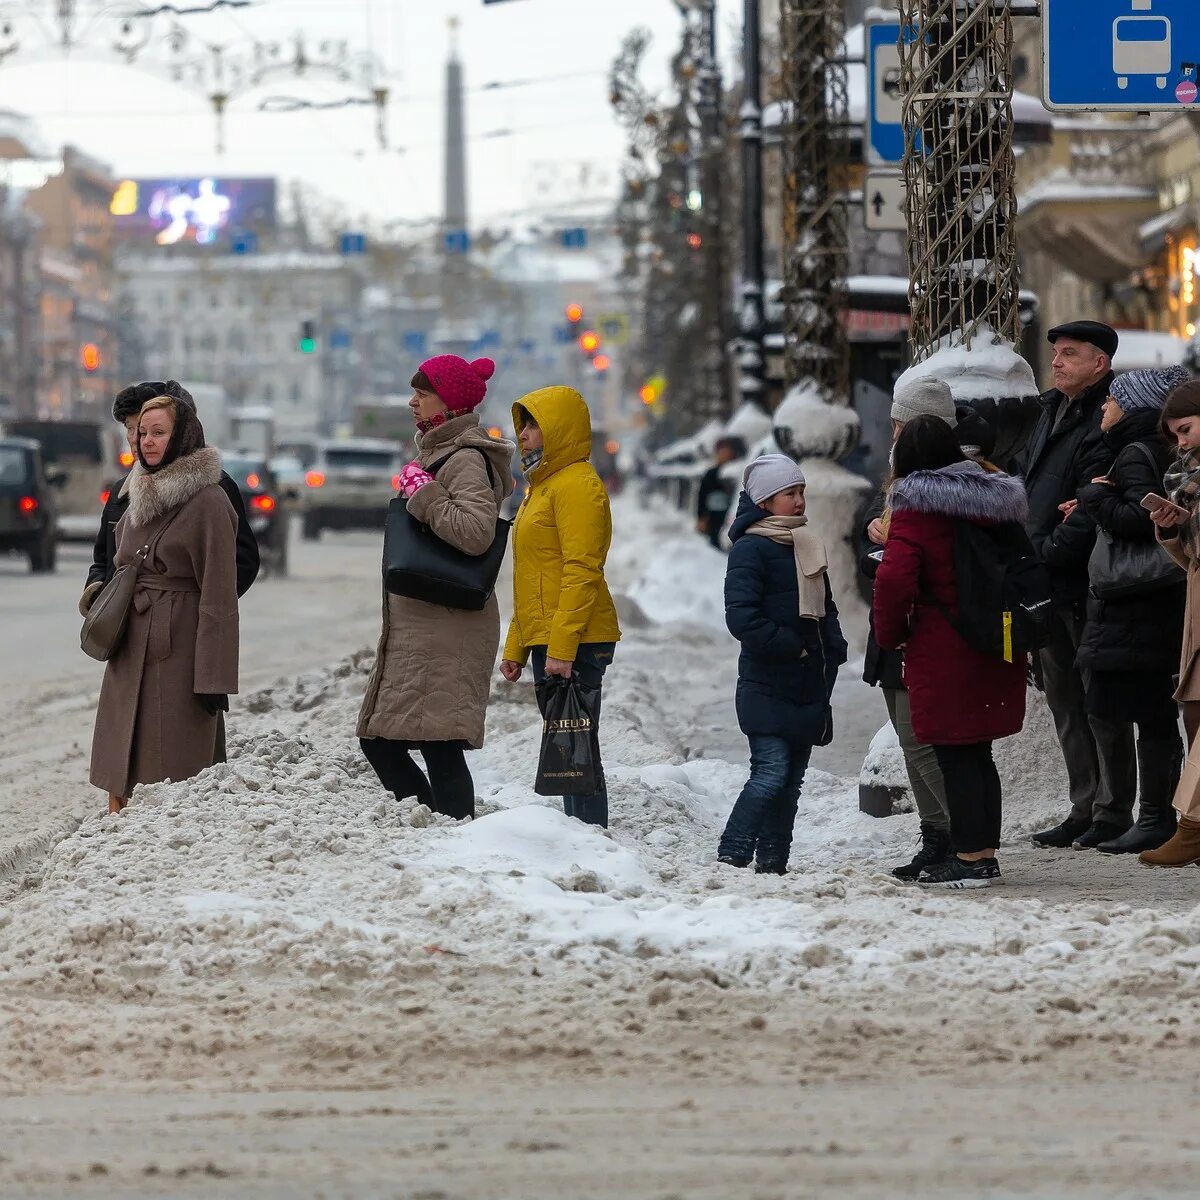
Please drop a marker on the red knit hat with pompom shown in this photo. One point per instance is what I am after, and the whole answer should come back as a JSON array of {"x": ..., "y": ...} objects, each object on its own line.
[{"x": 460, "y": 385}]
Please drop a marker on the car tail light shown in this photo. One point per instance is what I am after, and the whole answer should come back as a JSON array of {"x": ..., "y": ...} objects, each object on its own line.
[
  {"x": 104, "y": 495},
  {"x": 28, "y": 505},
  {"x": 263, "y": 503},
  {"x": 253, "y": 480},
  {"x": 126, "y": 459},
  {"x": 395, "y": 483},
  {"x": 314, "y": 479}
]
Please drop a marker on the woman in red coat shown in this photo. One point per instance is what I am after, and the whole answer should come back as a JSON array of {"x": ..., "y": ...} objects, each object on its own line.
[{"x": 962, "y": 700}]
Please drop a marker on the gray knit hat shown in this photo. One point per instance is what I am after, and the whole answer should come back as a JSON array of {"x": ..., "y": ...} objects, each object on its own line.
[
  {"x": 1147, "y": 389},
  {"x": 924, "y": 396},
  {"x": 769, "y": 475}
]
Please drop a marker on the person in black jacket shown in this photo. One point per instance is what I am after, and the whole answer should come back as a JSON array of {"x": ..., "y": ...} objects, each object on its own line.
[
  {"x": 126, "y": 407},
  {"x": 716, "y": 495},
  {"x": 1066, "y": 452},
  {"x": 779, "y": 605},
  {"x": 1130, "y": 648}
]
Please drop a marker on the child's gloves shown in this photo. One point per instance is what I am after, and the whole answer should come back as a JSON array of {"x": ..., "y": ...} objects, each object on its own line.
[{"x": 412, "y": 479}]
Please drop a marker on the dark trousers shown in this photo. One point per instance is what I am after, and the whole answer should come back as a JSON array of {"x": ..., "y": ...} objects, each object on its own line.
[
  {"x": 716, "y": 522},
  {"x": 1099, "y": 755},
  {"x": 972, "y": 796},
  {"x": 763, "y": 817},
  {"x": 591, "y": 661},
  {"x": 449, "y": 790}
]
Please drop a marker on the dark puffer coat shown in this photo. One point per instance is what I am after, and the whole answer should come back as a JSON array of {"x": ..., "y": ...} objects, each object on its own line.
[
  {"x": 1058, "y": 462},
  {"x": 958, "y": 695},
  {"x": 1135, "y": 633},
  {"x": 789, "y": 663},
  {"x": 881, "y": 668}
]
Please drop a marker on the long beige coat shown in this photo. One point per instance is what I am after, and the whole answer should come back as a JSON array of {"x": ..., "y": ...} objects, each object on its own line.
[
  {"x": 182, "y": 639},
  {"x": 433, "y": 669},
  {"x": 1189, "y": 659}
]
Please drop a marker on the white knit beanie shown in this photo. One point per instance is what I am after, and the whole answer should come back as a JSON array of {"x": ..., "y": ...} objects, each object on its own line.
[
  {"x": 769, "y": 475},
  {"x": 924, "y": 396}
]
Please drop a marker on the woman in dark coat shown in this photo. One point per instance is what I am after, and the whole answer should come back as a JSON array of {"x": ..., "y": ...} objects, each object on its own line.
[
  {"x": 1129, "y": 652},
  {"x": 779, "y": 605},
  {"x": 962, "y": 700}
]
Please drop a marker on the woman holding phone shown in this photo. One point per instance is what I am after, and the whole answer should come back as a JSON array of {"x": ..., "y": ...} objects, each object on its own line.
[{"x": 1178, "y": 528}]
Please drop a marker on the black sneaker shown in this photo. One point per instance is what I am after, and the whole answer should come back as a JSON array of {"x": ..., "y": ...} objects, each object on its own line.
[
  {"x": 935, "y": 847},
  {"x": 770, "y": 868},
  {"x": 957, "y": 874},
  {"x": 1061, "y": 836},
  {"x": 730, "y": 861},
  {"x": 1097, "y": 832}
]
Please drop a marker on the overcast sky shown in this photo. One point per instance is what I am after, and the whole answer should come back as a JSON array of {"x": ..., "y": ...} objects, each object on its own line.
[{"x": 144, "y": 125}]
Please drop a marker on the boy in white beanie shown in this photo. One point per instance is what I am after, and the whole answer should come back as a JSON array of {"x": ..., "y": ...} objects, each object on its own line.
[{"x": 779, "y": 605}]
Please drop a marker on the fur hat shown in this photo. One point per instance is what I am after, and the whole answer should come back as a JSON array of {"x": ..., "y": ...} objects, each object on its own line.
[
  {"x": 770, "y": 474},
  {"x": 924, "y": 396},
  {"x": 1147, "y": 389},
  {"x": 460, "y": 385},
  {"x": 129, "y": 400}
]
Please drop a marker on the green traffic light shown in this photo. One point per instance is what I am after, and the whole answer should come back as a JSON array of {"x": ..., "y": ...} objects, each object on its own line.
[{"x": 307, "y": 345}]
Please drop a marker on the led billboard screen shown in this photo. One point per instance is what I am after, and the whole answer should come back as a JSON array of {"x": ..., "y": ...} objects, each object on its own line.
[{"x": 173, "y": 211}]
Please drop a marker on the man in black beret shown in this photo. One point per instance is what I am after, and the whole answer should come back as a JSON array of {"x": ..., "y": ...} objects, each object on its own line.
[
  {"x": 1066, "y": 452},
  {"x": 126, "y": 408}
]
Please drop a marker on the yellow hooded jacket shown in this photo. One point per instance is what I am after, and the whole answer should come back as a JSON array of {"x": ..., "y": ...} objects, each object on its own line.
[{"x": 561, "y": 537}]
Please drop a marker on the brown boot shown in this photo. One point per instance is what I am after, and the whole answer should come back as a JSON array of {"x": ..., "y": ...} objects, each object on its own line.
[{"x": 1181, "y": 851}]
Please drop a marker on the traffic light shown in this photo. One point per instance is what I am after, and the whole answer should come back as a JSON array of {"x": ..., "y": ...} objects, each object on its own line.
[
  {"x": 308, "y": 337},
  {"x": 601, "y": 362},
  {"x": 589, "y": 342},
  {"x": 89, "y": 357},
  {"x": 574, "y": 313}
]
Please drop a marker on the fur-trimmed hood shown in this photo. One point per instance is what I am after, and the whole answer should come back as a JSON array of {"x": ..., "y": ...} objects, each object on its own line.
[
  {"x": 963, "y": 490},
  {"x": 152, "y": 496}
]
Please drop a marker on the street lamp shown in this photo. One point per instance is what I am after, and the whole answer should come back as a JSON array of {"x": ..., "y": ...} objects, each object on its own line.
[{"x": 752, "y": 318}]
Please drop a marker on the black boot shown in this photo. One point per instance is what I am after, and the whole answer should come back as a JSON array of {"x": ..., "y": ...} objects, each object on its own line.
[
  {"x": 1159, "y": 764},
  {"x": 1097, "y": 833},
  {"x": 935, "y": 848},
  {"x": 1061, "y": 836}
]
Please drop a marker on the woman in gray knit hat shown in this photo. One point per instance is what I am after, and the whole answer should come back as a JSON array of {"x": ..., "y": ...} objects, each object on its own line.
[{"x": 1130, "y": 647}]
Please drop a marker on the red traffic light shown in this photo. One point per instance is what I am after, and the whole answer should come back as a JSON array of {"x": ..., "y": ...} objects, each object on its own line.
[
  {"x": 601, "y": 362},
  {"x": 89, "y": 356},
  {"x": 574, "y": 313}
]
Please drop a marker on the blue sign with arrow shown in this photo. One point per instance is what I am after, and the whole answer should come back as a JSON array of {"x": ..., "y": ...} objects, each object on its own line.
[
  {"x": 884, "y": 135},
  {"x": 1131, "y": 55}
]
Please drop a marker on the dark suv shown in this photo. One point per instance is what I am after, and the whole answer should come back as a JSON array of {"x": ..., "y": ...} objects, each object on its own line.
[
  {"x": 267, "y": 507},
  {"x": 28, "y": 509}
]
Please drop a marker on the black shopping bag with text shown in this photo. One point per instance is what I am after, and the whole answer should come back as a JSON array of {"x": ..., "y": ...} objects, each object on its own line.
[{"x": 569, "y": 763}]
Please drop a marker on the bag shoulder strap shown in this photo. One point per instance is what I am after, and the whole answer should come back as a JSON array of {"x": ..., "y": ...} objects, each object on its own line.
[
  {"x": 151, "y": 542},
  {"x": 434, "y": 468},
  {"x": 1149, "y": 457}
]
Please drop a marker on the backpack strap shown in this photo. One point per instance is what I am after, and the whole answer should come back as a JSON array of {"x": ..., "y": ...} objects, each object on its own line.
[{"x": 434, "y": 468}]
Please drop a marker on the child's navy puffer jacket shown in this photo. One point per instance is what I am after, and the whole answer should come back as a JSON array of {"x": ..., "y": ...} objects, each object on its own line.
[{"x": 788, "y": 664}]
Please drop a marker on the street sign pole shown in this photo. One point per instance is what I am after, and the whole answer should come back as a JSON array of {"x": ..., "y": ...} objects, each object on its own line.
[
  {"x": 883, "y": 137},
  {"x": 885, "y": 202},
  {"x": 1121, "y": 55}
]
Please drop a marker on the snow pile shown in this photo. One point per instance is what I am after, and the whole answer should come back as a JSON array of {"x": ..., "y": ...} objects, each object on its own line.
[
  {"x": 989, "y": 369},
  {"x": 807, "y": 425}
]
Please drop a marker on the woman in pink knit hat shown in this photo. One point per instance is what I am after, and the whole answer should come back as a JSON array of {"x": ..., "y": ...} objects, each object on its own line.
[{"x": 430, "y": 685}]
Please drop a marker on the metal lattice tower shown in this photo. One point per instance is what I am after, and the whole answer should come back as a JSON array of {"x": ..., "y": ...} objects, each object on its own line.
[
  {"x": 815, "y": 166},
  {"x": 956, "y": 76}
]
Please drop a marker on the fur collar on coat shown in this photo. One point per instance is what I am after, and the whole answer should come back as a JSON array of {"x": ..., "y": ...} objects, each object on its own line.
[
  {"x": 153, "y": 496},
  {"x": 964, "y": 491}
]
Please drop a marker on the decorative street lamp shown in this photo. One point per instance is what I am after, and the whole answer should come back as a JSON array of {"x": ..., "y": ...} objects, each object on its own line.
[{"x": 752, "y": 316}]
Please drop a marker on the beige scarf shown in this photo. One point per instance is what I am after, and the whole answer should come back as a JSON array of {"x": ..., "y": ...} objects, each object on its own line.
[{"x": 812, "y": 562}]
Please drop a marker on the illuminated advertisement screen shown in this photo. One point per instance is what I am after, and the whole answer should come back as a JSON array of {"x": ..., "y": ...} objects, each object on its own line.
[{"x": 173, "y": 211}]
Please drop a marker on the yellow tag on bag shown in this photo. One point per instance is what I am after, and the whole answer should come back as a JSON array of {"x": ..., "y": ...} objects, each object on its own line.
[{"x": 1008, "y": 651}]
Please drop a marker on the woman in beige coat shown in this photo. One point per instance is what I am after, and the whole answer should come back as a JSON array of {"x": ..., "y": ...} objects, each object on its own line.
[
  {"x": 178, "y": 662},
  {"x": 430, "y": 685},
  {"x": 1179, "y": 532}
]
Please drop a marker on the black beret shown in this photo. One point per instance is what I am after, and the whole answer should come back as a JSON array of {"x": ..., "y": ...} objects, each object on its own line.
[
  {"x": 1095, "y": 333},
  {"x": 129, "y": 400}
]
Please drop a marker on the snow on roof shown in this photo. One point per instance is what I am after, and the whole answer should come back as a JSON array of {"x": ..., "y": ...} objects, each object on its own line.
[
  {"x": 1141, "y": 350},
  {"x": 749, "y": 423},
  {"x": 1061, "y": 185},
  {"x": 990, "y": 370}
]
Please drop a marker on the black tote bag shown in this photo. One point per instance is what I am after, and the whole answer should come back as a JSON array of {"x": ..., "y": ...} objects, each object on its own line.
[
  {"x": 569, "y": 763},
  {"x": 420, "y": 565}
]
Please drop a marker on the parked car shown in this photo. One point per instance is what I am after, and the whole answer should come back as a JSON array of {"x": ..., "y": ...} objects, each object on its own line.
[
  {"x": 350, "y": 484},
  {"x": 86, "y": 457},
  {"x": 267, "y": 507},
  {"x": 28, "y": 506}
]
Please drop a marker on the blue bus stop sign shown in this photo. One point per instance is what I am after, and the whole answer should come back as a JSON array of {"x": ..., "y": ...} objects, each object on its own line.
[
  {"x": 884, "y": 140},
  {"x": 1132, "y": 55}
]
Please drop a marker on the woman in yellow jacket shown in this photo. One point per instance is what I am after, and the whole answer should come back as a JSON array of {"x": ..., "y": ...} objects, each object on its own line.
[{"x": 564, "y": 620}]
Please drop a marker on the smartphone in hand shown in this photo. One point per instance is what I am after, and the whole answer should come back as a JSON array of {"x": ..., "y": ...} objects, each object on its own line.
[{"x": 1153, "y": 503}]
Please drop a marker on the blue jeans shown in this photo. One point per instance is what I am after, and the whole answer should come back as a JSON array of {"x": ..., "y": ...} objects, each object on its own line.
[
  {"x": 592, "y": 659},
  {"x": 762, "y": 819}
]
